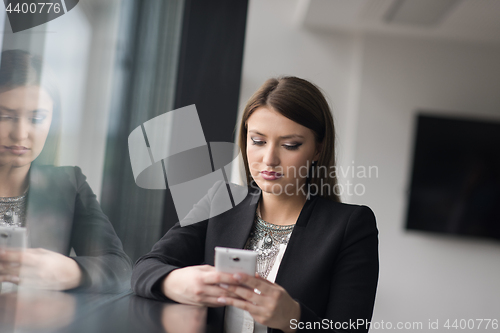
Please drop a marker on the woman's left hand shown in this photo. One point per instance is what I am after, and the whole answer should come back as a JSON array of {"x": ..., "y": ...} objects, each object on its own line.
[
  {"x": 39, "y": 268},
  {"x": 273, "y": 307}
]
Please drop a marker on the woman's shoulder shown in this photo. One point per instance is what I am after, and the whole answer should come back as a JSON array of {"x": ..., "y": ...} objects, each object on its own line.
[
  {"x": 221, "y": 191},
  {"x": 331, "y": 205},
  {"x": 347, "y": 212},
  {"x": 49, "y": 174},
  {"x": 55, "y": 170}
]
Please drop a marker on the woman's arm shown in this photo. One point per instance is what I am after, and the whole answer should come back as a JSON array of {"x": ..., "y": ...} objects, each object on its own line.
[
  {"x": 354, "y": 282},
  {"x": 179, "y": 247},
  {"x": 105, "y": 266},
  {"x": 172, "y": 270}
]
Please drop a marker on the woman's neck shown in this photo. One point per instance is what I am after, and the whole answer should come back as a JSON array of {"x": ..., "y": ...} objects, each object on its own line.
[
  {"x": 281, "y": 209},
  {"x": 13, "y": 180}
]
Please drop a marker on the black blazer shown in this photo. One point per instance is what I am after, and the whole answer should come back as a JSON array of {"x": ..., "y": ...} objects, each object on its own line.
[
  {"x": 63, "y": 214},
  {"x": 330, "y": 265}
]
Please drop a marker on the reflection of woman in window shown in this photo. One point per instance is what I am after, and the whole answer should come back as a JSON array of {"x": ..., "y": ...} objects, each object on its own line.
[
  {"x": 55, "y": 204},
  {"x": 317, "y": 257}
]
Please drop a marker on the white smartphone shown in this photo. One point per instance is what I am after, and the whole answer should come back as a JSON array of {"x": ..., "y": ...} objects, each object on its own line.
[
  {"x": 232, "y": 261},
  {"x": 13, "y": 237}
]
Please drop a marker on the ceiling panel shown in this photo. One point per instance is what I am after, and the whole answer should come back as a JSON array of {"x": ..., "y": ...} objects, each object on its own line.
[{"x": 468, "y": 20}]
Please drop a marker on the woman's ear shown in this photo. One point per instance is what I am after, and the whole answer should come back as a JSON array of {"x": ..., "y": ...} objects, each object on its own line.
[{"x": 319, "y": 149}]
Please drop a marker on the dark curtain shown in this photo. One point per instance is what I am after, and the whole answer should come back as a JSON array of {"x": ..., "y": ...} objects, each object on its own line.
[{"x": 170, "y": 54}]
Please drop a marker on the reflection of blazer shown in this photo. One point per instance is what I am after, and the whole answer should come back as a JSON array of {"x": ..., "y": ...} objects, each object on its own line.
[
  {"x": 330, "y": 265},
  {"x": 63, "y": 214}
]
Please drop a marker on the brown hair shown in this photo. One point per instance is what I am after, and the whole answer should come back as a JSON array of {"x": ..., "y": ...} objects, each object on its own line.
[{"x": 301, "y": 101}]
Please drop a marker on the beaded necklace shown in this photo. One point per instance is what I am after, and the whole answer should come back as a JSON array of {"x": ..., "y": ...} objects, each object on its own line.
[
  {"x": 266, "y": 238},
  {"x": 13, "y": 210}
]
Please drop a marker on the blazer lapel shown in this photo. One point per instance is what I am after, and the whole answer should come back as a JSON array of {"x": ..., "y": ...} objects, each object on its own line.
[
  {"x": 223, "y": 231},
  {"x": 296, "y": 250},
  {"x": 232, "y": 228},
  {"x": 226, "y": 233}
]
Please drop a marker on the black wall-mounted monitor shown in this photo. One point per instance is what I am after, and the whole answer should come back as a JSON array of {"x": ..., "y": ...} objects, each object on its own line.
[{"x": 455, "y": 180}]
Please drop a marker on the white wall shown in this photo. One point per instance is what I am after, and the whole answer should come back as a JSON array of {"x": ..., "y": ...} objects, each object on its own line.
[
  {"x": 276, "y": 45},
  {"x": 375, "y": 85},
  {"x": 67, "y": 56},
  {"x": 83, "y": 66},
  {"x": 104, "y": 19},
  {"x": 424, "y": 276}
]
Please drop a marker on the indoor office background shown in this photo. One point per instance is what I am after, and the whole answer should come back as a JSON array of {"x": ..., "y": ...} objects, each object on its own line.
[
  {"x": 378, "y": 75},
  {"x": 380, "y": 63}
]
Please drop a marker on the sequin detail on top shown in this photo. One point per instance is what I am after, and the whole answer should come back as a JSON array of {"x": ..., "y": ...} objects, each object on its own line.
[
  {"x": 266, "y": 238},
  {"x": 13, "y": 211}
]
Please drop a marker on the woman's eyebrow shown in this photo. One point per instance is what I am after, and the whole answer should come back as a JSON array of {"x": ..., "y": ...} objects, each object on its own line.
[
  {"x": 281, "y": 137},
  {"x": 3, "y": 108},
  {"x": 39, "y": 110}
]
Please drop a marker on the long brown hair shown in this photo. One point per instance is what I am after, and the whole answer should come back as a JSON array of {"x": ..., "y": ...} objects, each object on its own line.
[{"x": 301, "y": 101}]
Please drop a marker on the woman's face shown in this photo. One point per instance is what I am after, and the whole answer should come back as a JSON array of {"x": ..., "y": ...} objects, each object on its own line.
[
  {"x": 280, "y": 152},
  {"x": 25, "y": 118}
]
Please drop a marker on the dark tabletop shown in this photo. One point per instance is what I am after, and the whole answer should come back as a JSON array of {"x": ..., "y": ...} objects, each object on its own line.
[{"x": 49, "y": 311}]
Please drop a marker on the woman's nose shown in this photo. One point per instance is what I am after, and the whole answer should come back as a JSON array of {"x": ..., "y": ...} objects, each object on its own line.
[
  {"x": 271, "y": 157},
  {"x": 20, "y": 129}
]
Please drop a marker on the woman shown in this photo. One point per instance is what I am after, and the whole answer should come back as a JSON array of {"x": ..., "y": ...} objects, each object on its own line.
[
  {"x": 318, "y": 258},
  {"x": 55, "y": 204}
]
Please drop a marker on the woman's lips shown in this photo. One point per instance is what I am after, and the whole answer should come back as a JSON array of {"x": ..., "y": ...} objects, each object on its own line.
[
  {"x": 270, "y": 175},
  {"x": 17, "y": 150}
]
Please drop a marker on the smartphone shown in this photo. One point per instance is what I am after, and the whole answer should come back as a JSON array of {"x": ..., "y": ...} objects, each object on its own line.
[
  {"x": 232, "y": 261},
  {"x": 13, "y": 237}
]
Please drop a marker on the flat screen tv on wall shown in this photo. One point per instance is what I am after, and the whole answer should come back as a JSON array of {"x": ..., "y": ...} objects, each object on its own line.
[{"x": 455, "y": 180}]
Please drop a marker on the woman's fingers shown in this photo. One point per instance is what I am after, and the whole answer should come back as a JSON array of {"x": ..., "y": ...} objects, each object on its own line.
[
  {"x": 251, "y": 295},
  {"x": 9, "y": 268},
  {"x": 10, "y": 278},
  {"x": 258, "y": 277},
  {"x": 241, "y": 304},
  {"x": 209, "y": 294},
  {"x": 11, "y": 256},
  {"x": 26, "y": 257},
  {"x": 262, "y": 285},
  {"x": 215, "y": 291},
  {"x": 244, "y": 286},
  {"x": 16, "y": 262},
  {"x": 10, "y": 265},
  {"x": 215, "y": 277}
]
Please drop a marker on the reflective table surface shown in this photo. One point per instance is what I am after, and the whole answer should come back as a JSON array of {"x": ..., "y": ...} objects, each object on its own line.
[{"x": 30, "y": 311}]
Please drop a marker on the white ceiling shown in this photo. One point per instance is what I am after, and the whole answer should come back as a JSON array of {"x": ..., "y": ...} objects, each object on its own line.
[{"x": 468, "y": 20}]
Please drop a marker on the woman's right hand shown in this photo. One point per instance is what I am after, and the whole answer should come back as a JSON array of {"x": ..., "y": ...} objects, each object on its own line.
[
  {"x": 39, "y": 268},
  {"x": 197, "y": 285}
]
